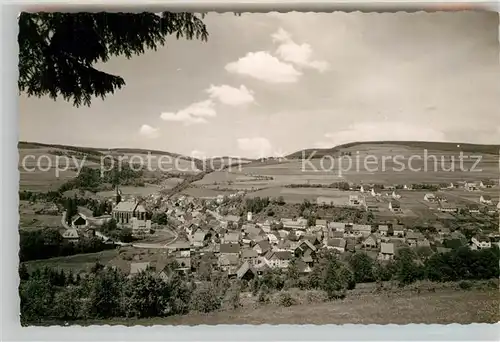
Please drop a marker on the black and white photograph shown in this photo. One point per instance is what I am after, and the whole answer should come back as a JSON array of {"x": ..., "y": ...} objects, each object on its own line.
[{"x": 181, "y": 168}]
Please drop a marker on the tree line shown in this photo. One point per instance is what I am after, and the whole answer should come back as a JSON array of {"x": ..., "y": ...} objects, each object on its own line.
[
  {"x": 105, "y": 293},
  {"x": 49, "y": 243}
]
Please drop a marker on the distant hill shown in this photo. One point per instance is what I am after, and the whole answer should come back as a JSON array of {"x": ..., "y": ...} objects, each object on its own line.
[
  {"x": 421, "y": 145},
  {"x": 99, "y": 151}
]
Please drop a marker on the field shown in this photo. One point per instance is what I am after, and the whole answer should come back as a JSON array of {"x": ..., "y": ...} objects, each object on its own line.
[
  {"x": 143, "y": 191},
  {"x": 440, "y": 307},
  {"x": 76, "y": 263}
]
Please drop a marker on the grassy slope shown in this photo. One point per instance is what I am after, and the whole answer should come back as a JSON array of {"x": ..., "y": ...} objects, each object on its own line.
[
  {"x": 441, "y": 146},
  {"x": 441, "y": 307}
]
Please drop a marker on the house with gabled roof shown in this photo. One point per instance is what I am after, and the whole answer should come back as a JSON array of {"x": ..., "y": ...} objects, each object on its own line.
[
  {"x": 485, "y": 199},
  {"x": 71, "y": 235},
  {"x": 249, "y": 255},
  {"x": 370, "y": 242},
  {"x": 486, "y": 184},
  {"x": 394, "y": 206},
  {"x": 338, "y": 244},
  {"x": 278, "y": 259},
  {"x": 231, "y": 237},
  {"x": 383, "y": 229},
  {"x": 246, "y": 272},
  {"x": 262, "y": 247},
  {"x": 362, "y": 230},
  {"x": 473, "y": 208},
  {"x": 336, "y": 226}
]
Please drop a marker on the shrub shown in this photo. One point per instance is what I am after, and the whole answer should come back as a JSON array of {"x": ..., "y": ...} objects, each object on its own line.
[
  {"x": 465, "y": 285},
  {"x": 205, "y": 299},
  {"x": 316, "y": 296},
  {"x": 286, "y": 299}
]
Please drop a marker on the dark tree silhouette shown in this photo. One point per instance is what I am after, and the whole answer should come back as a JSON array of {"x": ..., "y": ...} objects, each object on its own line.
[{"x": 57, "y": 51}]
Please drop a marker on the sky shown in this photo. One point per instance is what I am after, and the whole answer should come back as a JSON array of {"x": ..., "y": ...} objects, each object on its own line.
[{"x": 270, "y": 84}]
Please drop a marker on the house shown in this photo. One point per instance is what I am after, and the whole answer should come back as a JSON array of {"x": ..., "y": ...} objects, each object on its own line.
[
  {"x": 375, "y": 193},
  {"x": 140, "y": 226},
  {"x": 354, "y": 200},
  {"x": 395, "y": 195},
  {"x": 371, "y": 204},
  {"x": 338, "y": 244},
  {"x": 183, "y": 259},
  {"x": 361, "y": 230},
  {"x": 383, "y": 230},
  {"x": 480, "y": 242},
  {"x": 124, "y": 211},
  {"x": 299, "y": 223},
  {"x": 386, "y": 251},
  {"x": 448, "y": 207},
  {"x": 485, "y": 199},
  {"x": 471, "y": 186},
  {"x": 279, "y": 259},
  {"x": 398, "y": 230},
  {"x": 71, "y": 235},
  {"x": 229, "y": 263},
  {"x": 249, "y": 255},
  {"x": 429, "y": 197},
  {"x": 473, "y": 208},
  {"x": 413, "y": 237},
  {"x": 201, "y": 238},
  {"x": 370, "y": 242},
  {"x": 336, "y": 226},
  {"x": 231, "y": 237},
  {"x": 486, "y": 184},
  {"x": 306, "y": 251},
  {"x": 394, "y": 206},
  {"x": 273, "y": 239},
  {"x": 423, "y": 243},
  {"x": 321, "y": 223},
  {"x": 80, "y": 221},
  {"x": 246, "y": 272},
  {"x": 441, "y": 198},
  {"x": 229, "y": 248}
]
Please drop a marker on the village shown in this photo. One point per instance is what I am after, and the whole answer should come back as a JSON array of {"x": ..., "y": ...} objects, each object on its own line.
[{"x": 211, "y": 231}]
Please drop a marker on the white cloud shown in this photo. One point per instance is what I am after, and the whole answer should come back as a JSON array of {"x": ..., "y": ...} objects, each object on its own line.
[
  {"x": 195, "y": 113},
  {"x": 381, "y": 131},
  {"x": 299, "y": 54},
  {"x": 257, "y": 147},
  {"x": 265, "y": 67},
  {"x": 149, "y": 132},
  {"x": 230, "y": 95}
]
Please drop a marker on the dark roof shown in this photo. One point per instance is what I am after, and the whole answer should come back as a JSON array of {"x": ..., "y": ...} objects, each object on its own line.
[
  {"x": 395, "y": 204},
  {"x": 229, "y": 248}
]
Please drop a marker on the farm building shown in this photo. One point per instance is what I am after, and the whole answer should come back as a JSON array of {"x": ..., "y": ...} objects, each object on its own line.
[
  {"x": 448, "y": 208},
  {"x": 398, "y": 230},
  {"x": 354, "y": 200},
  {"x": 473, "y": 208},
  {"x": 370, "y": 242},
  {"x": 338, "y": 244},
  {"x": 394, "y": 206},
  {"x": 485, "y": 199},
  {"x": 361, "y": 229},
  {"x": 487, "y": 183},
  {"x": 472, "y": 186},
  {"x": 429, "y": 197},
  {"x": 480, "y": 242}
]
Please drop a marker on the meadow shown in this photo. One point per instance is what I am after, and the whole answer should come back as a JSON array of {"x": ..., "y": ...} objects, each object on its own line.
[{"x": 441, "y": 306}]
